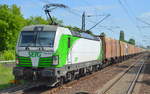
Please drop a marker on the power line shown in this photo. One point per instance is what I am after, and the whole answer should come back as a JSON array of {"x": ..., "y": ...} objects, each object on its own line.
[
  {"x": 70, "y": 10},
  {"x": 133, "y": 14},
  {"x": 129, "y": 16},
  {"x": 143, "y": 21},
  {"x": 110, "y": 28},
  {"x": 100, "y": 21},
  {"x": 126, "y": 10}
]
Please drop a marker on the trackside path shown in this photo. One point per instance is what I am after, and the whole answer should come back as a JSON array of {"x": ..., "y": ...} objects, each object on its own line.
[{"x": 143, "y": 84}]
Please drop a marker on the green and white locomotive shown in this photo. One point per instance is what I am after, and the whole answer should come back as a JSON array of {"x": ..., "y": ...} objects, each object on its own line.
[{"x": 54, "y": 54}]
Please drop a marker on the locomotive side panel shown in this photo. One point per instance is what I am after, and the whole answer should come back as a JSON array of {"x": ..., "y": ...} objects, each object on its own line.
[{"x": 84, "y": 50}]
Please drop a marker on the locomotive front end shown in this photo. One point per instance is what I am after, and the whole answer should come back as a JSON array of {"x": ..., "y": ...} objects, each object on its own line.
[{"x": 35, "y": 54}]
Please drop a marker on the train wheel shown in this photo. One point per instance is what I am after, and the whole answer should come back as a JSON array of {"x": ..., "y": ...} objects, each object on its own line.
[
  {"x": 60, "y": 81},
  {"x": 73, "y": 77}
]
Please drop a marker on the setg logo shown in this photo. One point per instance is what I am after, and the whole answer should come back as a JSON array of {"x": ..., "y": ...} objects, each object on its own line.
[{"x": 34, "y": 54}]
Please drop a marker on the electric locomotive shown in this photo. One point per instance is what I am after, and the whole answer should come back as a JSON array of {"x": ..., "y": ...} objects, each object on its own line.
[{"x": 53, "y": 54}]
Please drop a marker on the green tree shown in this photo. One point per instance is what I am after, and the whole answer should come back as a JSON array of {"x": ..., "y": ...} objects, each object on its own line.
[
  {"x": 57, "y": 21},
  {"x": 39, "y": 20},
  {"x": 131, "y": 41},
  {"x": 36, "y": 20},
  {"x": 3, "y": 35},
  {"x": 102, "y": 34},
  {"x": 11, "y": 22},
  {"x": 89, "y": 32},
  {"x": 121, "y": 36},
  {"x": 76, "y": 29}
]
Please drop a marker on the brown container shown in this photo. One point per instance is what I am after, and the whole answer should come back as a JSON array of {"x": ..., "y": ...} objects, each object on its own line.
[
  {"x": 118, "y": 48},
  {"x": 136, "y": 49},
  {"x": 113, "y": 48},
  {"x": 122, "y": 46},
  {"x": 129, "y": 49},
  {"x": 132, "y": 49},
  {"x": 125, "y": 48},
  {"x": 108, "y": 47}
]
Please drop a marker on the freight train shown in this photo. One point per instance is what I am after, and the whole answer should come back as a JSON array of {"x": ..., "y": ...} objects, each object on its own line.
[{"x": 52, "y": 54}]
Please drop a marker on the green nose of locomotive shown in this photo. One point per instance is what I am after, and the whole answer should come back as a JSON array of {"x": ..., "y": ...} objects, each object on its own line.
[
  {"x": 35, "y": 47},
  {"x": 32, "y": 58}
]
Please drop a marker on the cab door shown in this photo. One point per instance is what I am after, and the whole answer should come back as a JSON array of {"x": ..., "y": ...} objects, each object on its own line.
[{"x": 69, "y": 59}]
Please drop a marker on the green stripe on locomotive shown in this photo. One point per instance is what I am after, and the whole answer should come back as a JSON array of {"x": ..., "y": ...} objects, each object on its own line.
[{"x": 63, "y": 49}]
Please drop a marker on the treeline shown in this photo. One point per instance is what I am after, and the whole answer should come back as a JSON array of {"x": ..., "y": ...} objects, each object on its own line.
[{"x": 122, "y": 38}]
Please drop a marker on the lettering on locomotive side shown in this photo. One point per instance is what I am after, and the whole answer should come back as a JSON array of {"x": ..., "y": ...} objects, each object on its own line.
[{"x": 34, "y": 54}]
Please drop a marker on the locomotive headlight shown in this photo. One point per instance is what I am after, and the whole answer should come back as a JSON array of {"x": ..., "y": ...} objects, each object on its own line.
[{"x": 55, "y": 60}]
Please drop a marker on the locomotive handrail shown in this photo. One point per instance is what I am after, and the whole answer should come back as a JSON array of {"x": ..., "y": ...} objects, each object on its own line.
[{"x": 8, "y": 61}]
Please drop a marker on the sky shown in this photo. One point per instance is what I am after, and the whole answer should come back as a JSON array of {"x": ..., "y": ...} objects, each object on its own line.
[{"x": 123, "y": 15}]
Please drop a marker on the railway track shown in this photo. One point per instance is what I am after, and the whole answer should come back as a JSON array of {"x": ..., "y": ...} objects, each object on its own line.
[{"x": 125, "y": 83}]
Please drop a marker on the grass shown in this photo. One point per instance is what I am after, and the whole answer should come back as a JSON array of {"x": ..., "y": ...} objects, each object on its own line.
[{"x": 6, "y": 76}]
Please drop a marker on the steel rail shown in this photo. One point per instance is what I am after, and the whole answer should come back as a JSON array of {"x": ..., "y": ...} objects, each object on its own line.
[
  {"x": 119, "y": 78},
  {"x": 133, "y": 83}
]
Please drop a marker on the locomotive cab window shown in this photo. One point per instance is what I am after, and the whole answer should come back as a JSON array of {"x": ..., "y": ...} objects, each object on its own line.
[
  {"x": 45, "y": 39},
  {"x": 32, "y": 38}
]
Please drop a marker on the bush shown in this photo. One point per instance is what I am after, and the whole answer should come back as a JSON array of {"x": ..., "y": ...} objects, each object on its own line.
[{"x": 7, "y": 55}]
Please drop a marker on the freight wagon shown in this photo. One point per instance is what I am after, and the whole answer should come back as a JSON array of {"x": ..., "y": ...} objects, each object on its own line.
[{"x": 117, "y": 51}]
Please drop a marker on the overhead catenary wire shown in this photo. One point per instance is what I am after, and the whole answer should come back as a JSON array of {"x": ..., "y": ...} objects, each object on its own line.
[
  {"x": 137, "y": 19},
  {"x": 99, "y": 22},
  {"x": 131, "y": 14},
  {"x": 126, "y": 11},
  {"x": 73, "y": 11},
  {"x": 69, "y": 9},
  {"x": 104, "y": 14},
  {"x": 105, "y": 26},
  {"x": 143, "y": 21}
]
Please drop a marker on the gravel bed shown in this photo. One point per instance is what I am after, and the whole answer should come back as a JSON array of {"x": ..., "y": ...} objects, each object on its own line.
[{"x": 145, "y": 82}]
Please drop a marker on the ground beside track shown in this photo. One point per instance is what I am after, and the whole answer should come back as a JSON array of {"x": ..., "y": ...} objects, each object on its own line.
[{"x": 143, "y": 84}]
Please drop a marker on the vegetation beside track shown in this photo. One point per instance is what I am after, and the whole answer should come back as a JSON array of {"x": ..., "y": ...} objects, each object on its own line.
[
  {"x": 7, "y": 55},
  {"x": 6, "y": 76}
]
